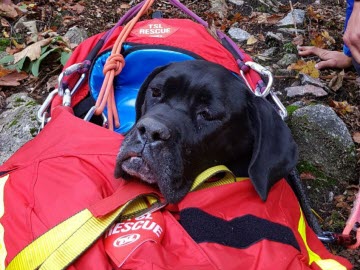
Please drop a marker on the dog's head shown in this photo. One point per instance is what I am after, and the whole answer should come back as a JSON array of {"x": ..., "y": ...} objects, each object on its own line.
[{"x": 194, "y": 115}]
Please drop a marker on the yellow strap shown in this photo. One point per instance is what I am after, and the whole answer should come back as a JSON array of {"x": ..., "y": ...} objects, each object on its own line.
[
  {"x": 61, "y": 245},
  {"x": 228, "y": 177},
  {"x": 58, "y": 247}
]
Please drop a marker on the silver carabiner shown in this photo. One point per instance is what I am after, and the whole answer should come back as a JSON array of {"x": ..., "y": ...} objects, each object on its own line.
[
  {"x": 90, "y": 114},
  {"x": 68, "y": 71},
  {"x": 281, "y": 108},
  {"x": 267, "y": 73},
  {"x": 263, "y": 71},
  {"x": 44, "y": 107}
]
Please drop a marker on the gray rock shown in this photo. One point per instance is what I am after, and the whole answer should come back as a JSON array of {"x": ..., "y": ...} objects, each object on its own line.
[
  {"x": 285, "y": 72},
  {"x": 76, "y": 35},
  {"x": 298, "y": 15},
  {"x": 220, "y": 7},
  {"x": 238, "y": 34},
  {"x": 287, "y": 60},
  {"x": 324, "y": 142},
  {"x": 272, "y": 36},
  {"x": 306, "y": 79},
  {"x": 237, "y": 2},
  {"x": 270, "y": 52},
  {"x": 291, "y": 31},
  {"x": 302, "y": 90},
  {"x": 18, "y": 124}
]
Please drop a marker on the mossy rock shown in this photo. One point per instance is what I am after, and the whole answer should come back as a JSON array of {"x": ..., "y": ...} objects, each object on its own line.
[{"x": 324, "y": 142}]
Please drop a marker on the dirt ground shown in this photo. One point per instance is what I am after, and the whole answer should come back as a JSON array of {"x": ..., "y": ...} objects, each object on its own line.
[{"x": 100, "y": 15}]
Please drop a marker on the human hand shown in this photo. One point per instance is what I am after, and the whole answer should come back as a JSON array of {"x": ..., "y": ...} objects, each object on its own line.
[{"x": 330, "y": 59}]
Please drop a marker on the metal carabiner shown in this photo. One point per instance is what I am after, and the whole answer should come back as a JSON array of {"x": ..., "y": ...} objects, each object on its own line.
[
  {"x": 44, "y": 107},
  {"x": 90, "y": 114},
  {"x": 281, "y": 108},
  {"x": 267, "y": 73},
  {"x": 263, "y": 71},
  {"x": 68, "y": 71}
]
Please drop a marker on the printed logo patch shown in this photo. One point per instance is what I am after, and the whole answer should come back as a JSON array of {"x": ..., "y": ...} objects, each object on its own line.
[
  {"x": 155, "y": 28},
  {"x": 122, "y": 239}
]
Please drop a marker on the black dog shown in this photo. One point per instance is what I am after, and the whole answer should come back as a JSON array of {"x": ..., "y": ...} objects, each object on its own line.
[{"x": 194, "y": 115}]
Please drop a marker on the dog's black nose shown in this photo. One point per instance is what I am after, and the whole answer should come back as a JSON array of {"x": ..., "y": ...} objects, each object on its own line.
[{"x": 152, "y": 130}]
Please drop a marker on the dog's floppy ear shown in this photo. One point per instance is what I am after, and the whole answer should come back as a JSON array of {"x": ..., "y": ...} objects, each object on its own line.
[
  {"x": 274, "y": 151},
  {"x": 142, "y": 91}
]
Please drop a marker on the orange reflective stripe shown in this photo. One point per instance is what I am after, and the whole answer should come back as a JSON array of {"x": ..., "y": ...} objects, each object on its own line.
[{"x": 3, "y": 251}]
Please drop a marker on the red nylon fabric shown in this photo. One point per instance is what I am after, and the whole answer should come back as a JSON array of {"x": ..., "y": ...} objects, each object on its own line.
[
  {"x": 69, "y": 166},
  {"x": 189, "y": 36}
]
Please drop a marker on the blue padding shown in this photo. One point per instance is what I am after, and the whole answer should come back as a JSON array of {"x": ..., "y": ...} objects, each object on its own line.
[{"x": 138, "y": 65}]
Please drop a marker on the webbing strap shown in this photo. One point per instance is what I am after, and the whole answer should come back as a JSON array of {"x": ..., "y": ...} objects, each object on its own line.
[{"x": 61, "y": 245}]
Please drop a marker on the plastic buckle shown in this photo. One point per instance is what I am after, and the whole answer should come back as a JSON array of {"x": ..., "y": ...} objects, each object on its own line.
[
  {"x": 68, "y": 71},
  {"x": 327, "y": 237},
  {"x": 90, "y": 114},
  {"x": 345, "y": 240}
]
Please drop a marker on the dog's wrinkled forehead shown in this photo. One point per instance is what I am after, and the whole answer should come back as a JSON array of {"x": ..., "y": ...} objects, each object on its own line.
[{"x": 175, "y": 78}]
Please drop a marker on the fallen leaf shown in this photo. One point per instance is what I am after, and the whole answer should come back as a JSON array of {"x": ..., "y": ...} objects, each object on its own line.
[
  {"x": 8, "y": 10},
  {"x": 5, "y": 23},
  {"x": 298, "y": 40},
  {"x": 4, "y": 71},
  {"x": 307, "y": 176},
  {"x": 251, "y": 40},
  {"x": 78, "y": 8},
  {"x": 265, "y": 18},
  {"x": 125, "y": 6},
  {"x": 13, "y": 79},
  {"x": 341, "y": 107},
  {"x": 339, "y": 198},
  {"x": 337, "y": 81},
  {"x": 342, "y": 205},
  {"x": 306, "y": 68},
  {"x": 329, "y": 39},
  {"x": 356, "y": 137},
  {"x": 318, "y": 41},
  {"x": 33, "y": 51},
  {"x": 314, "y": 14}
]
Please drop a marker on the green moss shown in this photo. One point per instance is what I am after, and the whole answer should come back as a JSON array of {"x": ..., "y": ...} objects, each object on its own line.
[
  {"x": 289, "y": 48},
  {"x": 4, "y": 42},
  {"x": 19, "y": 100},
  {"x": 291, "y": 109},
  {"x": 322, "y": 180},
  {"x": 31, "y": 104},
  {"x": 337, "y": 223},
  {"x": 13, "y": 123},
  {"x": 33, "y": 131}
]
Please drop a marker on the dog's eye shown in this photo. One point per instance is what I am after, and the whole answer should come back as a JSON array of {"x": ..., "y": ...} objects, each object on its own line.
[
  {"x": 204, "y": 114},
  {"x": 155, "y": 92}
]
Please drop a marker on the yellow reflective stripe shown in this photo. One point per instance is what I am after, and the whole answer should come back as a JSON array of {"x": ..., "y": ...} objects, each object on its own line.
[
  {"x": 330, "y": 264},
  {"x": 313, "y": 257},
  {"x": 3, "y": 251}
]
